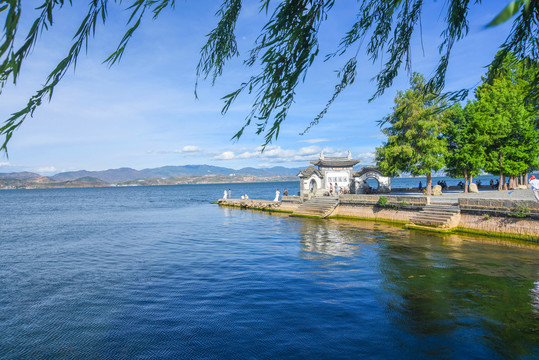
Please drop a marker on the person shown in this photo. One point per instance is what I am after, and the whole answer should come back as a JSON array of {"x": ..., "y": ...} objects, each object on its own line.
[
  {"x": 246, "y": 197},
  {"x": 535, "y": 186},
  {"x": 225, "y": 194},
  {"x": 229, "y": 194},
  {"x": 460, "y": 185},
  {"x": 420, "y": 186},
  {"x": 336, "y": 189},
  {"x": 277, "y": 193},
  {"x": 243, "y": 197},
  {"x": 285, "y": 192},
  {"x": 478, "y": 183},
  {"x": 330, "y": 189},
  {"x": 497, "y": 184},
  {"x": 491, "y": 183}
]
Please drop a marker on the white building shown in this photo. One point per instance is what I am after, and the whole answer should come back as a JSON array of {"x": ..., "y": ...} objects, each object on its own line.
[{"x": 331, "y": 172}]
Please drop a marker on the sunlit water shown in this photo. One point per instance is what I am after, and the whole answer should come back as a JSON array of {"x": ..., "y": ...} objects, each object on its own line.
[{"x": 159, "y": 272}]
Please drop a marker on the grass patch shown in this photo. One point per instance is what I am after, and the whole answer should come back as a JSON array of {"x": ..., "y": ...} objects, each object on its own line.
[{"x": 520, "y": 211}]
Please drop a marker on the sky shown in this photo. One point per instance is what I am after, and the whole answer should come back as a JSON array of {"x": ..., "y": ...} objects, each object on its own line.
[{"x": 142, "y": 112}]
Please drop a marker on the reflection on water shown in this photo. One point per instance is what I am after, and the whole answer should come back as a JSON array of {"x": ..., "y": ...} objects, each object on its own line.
[
  {"x": 150, "y": 273},
  {"x": 446, "y": 293}
]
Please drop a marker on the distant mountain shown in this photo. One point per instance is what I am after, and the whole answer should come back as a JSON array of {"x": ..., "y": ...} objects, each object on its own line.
[
  {"x": 111, "y": 176},
  {"x": 186, "y": 170},
  {"x": 20, "y": 175},
  {"x": 274, "y": 171},
  {"x": 115, "y": 176}
]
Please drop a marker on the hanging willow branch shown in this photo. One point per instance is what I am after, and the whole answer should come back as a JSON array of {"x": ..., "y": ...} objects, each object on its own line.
[{"x": 283, "y": 52}]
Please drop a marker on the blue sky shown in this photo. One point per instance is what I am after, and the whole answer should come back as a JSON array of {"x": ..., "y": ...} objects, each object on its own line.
[{"x": 142, "y": 113}]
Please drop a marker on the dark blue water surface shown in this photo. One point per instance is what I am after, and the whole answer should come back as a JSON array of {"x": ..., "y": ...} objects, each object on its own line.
[{"x": 160, "y": 273}]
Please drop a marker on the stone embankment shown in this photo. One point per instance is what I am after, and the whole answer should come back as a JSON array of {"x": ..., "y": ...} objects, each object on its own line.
[
  {"x": 265, "y": 205},
  {"x": 505, "y": 218}
]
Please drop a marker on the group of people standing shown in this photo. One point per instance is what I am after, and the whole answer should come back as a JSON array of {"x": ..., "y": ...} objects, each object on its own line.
[
  {"x": 278, "y": 193},
  {"x": 336, "y": 189},
  {"x": 228, "y": 195}
]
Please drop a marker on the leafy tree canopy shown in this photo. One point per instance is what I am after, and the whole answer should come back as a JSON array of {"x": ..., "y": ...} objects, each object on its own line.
[
  {"x": 415, "y": 143},
  {"x": 466, "y": 152},
  {"x": 506, "y": 121},
  {"x": 284, "y": 50}
]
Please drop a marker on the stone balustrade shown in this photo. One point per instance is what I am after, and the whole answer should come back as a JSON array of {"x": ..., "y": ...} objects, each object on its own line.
[
  {"x": 499, "y": 205},
  {"x": 396, "y": 200}
]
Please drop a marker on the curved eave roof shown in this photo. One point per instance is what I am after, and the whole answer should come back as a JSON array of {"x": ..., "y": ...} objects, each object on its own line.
[
  {"x": 366, "y": 169},
  {"x": 336, "y": 162},
  {"x": 309, "y": 171}
]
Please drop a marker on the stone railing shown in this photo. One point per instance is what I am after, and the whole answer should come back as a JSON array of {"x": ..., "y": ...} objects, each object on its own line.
[
  {"x": 499, "y": 206},
  {"x": 396, "y": 200}
]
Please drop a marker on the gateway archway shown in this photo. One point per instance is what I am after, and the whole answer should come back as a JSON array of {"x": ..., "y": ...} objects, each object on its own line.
[{"x": 371, "y": 176}]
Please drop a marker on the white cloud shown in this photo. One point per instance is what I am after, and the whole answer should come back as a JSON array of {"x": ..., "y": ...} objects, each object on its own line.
[
  {"x": 227, "y": 155},
  {"x": 48, "y": 169},
  {"x": 191, "y": 148},
  {"x": 314, "y": 141},
  {"x": 366, "y": 158},
  {"x": 6, "y": 163},
  {"x": 247, "y": 155},
  {"x": 276, "y": 154}
]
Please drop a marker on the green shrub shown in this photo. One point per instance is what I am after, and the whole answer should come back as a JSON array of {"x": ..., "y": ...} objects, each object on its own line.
[
  {"x": 486, "y": 217},
  {"x": 521, "y": 211},
  {"x": 382, "y": 201}
]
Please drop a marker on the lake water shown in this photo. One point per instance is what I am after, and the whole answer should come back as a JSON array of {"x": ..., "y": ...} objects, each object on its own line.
[{"x": 161, "y": 273}]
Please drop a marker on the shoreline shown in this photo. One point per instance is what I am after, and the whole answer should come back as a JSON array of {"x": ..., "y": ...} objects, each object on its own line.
[{"x": 479, "y": 216}]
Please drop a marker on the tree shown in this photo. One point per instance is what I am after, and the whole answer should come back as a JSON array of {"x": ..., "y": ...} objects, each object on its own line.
[
  {"x": 284, "y": 50},
  {"x": 507, "y": 122},
  {"x": 415, "y": 143},
  {"x": 466, "y": 154}
]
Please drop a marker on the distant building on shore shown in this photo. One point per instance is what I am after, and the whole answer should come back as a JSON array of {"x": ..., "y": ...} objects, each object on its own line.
[{"x": 331, "y": 172}]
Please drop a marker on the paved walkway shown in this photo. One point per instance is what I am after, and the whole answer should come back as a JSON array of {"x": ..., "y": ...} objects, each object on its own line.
[{"x": 482, "y": 194}]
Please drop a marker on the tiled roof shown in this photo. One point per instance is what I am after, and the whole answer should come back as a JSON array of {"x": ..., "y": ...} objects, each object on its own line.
[
  {"x": 309, "y": 171},
  {"x": 366, "y": 169},
  {"x": 335, "y": 162}
]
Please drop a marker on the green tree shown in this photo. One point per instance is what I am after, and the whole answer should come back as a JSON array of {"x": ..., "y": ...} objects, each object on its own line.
[
  {"x": 466, "y": 154},
  {"x": 414, "y": 136},
  {"x": 508, "y": 122},
  {"x": 284, "y": 50}
]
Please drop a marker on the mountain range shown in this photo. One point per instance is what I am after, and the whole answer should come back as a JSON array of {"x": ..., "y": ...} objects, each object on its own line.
[{"x": 115, "y": 176}]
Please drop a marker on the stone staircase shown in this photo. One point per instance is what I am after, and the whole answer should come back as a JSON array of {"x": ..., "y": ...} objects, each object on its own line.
[
  {"x": 319, "y": 207},
  {"x": 438, "y": 214}
]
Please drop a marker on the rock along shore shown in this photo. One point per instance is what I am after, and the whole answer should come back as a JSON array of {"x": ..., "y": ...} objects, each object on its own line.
[{"x": 493, "y": 217}]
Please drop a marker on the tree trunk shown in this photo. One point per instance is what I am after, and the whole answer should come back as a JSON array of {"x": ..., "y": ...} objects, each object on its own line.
[
  {"x": 429, "y": 184},
  {"x": 526, "y": 179},
  {"x": 465, "y": 181},
  {"x": 504, "y": 182},
  {"x": 502, "y": 176}
]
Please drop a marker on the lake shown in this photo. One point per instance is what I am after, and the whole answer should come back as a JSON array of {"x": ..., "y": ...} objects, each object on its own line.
[{"x": 161, "y": 273}]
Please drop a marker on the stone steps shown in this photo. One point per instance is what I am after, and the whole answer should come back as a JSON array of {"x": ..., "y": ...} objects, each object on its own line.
[
  {"x": 439, "y": 215},
  {"x": 317, "y": 207}
]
